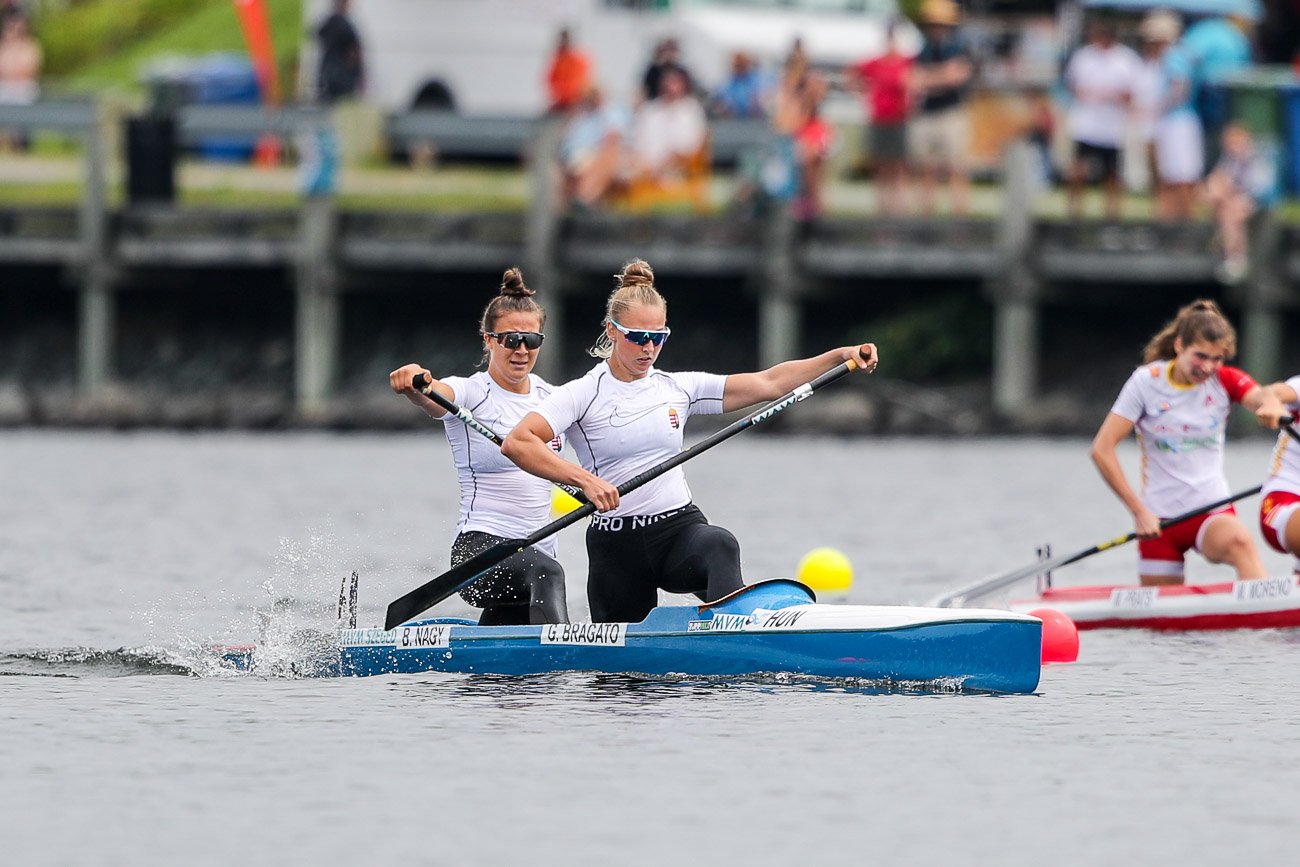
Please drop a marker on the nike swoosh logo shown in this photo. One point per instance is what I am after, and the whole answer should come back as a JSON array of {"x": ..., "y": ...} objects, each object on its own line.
[{"x": 620, "y": 418}]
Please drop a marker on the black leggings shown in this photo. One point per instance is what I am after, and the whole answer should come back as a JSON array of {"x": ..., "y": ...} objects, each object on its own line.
[
  {"x": 527, "y": 587},
  {"x": 631, "y": 559}
]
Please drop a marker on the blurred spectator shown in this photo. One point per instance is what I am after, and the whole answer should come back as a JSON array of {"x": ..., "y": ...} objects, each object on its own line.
[
  {"x": 795, "y": 168},
  {"x": 781, "y": 172},
  {"x": 20, "y": 70},
  {"x": 1146, "y": 100},
  {"x": 796, "y": 61},
  {"x": 11, "y": 7},
  {"x": 813, "y": 141},
  {"x": 1243, "y": 181},
  {"x": 745, "y": 91},
  {"x": 1179, "y": 148},
  {"x": 1099, "y": 76},
  {"x": 771, "y": 173},
  {"x": 591, "y": 151},
  {"x": 668, "y": 132},
  {"x": 1039, "y": 133},
  {"x": 342, "y": 69},
  {"x": 1218, "y": 47},
  {"x": 667, "y": 58},
  {"x": 884, "y": 80},
  {"x": 938, "y": 132},
  {"x": 569, "y": 75}
]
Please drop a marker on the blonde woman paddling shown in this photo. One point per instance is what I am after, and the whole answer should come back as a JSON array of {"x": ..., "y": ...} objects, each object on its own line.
[{"x": 626, "y": 416}]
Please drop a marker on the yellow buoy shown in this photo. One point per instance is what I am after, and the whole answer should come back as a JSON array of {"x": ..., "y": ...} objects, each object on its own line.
[
  {"x": 562, "y": 503},
  {"x": 826, "y": 570}
]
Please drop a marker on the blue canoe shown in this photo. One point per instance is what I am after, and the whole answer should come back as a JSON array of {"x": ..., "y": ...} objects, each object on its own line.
[{"x": 775, "y": 626}]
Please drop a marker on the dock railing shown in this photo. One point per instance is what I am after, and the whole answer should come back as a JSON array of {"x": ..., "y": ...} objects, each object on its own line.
[{"x": 1020, "y": 259}]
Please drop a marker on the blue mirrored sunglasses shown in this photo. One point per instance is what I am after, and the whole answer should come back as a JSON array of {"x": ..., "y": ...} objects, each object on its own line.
[
  {"x": 512, "y": 339},
  {"x": 641, "y": 337}
]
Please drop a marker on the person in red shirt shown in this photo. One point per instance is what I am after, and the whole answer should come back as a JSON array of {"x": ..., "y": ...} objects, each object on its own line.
[
  {"x": 813, "y": 142},
  {"x": 884, "y": 83},
  {"x": 569, "y": 75}
]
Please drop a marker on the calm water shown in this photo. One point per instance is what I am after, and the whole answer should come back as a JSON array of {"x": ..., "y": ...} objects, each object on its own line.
[{"x": 121, "y": 741}]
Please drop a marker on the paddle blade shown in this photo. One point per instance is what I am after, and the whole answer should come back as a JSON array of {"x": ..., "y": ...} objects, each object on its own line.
[{"x": 435, "y": 590}]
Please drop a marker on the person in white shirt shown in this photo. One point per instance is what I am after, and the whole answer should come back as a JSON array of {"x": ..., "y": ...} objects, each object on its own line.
[
  {"x": 624, "y": 417},
  {"x": 668, "y": 131},
  {"x": 1178, "y": 401},
  {"x": 1100, "y": 76},
  {"x": 498, "y": 501},
  {"x": 1279, "y": 511}
]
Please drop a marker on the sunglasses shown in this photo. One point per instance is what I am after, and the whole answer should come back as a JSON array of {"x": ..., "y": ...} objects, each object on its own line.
[
  {"x": 512, "y": 339},
  {"x": 642, "y": 337}
]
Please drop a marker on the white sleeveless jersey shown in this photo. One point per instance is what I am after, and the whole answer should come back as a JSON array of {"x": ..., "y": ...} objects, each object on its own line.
[
  {"x": 495, "y": 495},
  {"x": 1284, "y": 470},
  {"x": 619, "y": 429},
  {"x": 1180, "y": 430}
]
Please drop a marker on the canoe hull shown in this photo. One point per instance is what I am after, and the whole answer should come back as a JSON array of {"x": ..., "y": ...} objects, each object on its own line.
[
  {"x": 763, "y": 629},
  {"x": 1264, "y": 603}
]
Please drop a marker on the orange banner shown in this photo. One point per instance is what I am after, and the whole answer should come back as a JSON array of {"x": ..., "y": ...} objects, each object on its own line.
[{"x": 257, "y": 33}]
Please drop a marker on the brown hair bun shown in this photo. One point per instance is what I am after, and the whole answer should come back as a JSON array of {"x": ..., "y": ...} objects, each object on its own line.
[{"x": 512, "y": 284}]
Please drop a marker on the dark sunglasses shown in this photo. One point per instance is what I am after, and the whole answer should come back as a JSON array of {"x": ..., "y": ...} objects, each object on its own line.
[
  {"x": 512, "y": 339},
  {"x": 642, "y": 337}
]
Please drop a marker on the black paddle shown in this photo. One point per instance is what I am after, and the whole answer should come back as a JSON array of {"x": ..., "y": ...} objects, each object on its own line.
[
  {"x": 437, "y": 589},
  {"x": 1289, "y": 428},
  {"x": 421, "y": 384},
  {"x": 953, "y": 598}
]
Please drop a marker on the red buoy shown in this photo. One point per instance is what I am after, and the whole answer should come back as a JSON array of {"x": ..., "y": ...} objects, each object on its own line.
[{"x": 1060, "y": 635}]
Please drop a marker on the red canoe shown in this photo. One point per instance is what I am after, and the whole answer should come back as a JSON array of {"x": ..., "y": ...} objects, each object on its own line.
[{"x": 1259, "y": 604}]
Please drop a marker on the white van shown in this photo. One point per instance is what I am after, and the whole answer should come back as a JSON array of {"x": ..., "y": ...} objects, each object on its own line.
[{"x": 489, "y": 57}]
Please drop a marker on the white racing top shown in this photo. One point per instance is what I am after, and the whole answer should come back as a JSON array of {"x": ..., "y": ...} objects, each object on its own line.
[
  {"x": 1180, "y": 430},
  {"x": 495, "y": 495},
  {"x": 1284, "y": 470},
  {"x": 619, "y": 429}
]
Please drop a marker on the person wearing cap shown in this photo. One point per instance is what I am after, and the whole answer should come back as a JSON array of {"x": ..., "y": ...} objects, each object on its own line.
[
  {"x": 1100, "y": 77},
  {"x": 938, "y": 133},
  {"x": 1179, "y": 143}
]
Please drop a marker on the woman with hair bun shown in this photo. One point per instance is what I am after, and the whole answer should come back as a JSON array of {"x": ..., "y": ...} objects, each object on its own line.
[
  {"x": 499, "y": 501},
  {"x": 626, "y": 416},
  {"x": 1178, "y": 401}
]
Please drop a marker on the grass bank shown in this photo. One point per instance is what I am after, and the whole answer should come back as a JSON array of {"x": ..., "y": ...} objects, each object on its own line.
[{"x": 104, "y": 44}]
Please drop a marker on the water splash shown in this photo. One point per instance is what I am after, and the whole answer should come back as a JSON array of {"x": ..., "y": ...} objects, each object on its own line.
[
  {"x": 291, "y": 633},
  {"x": 289, "y": 646},
  {"x": 297, "y": 632}
]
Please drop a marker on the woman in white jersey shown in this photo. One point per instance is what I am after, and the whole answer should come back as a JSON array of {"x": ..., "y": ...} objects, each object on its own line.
[
  {"x": 1178, "y": 401},
  {"x": 499, "y": 501},
  {"x": 626, "y": 416},
  {"x": 1279, "y": 511}
]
